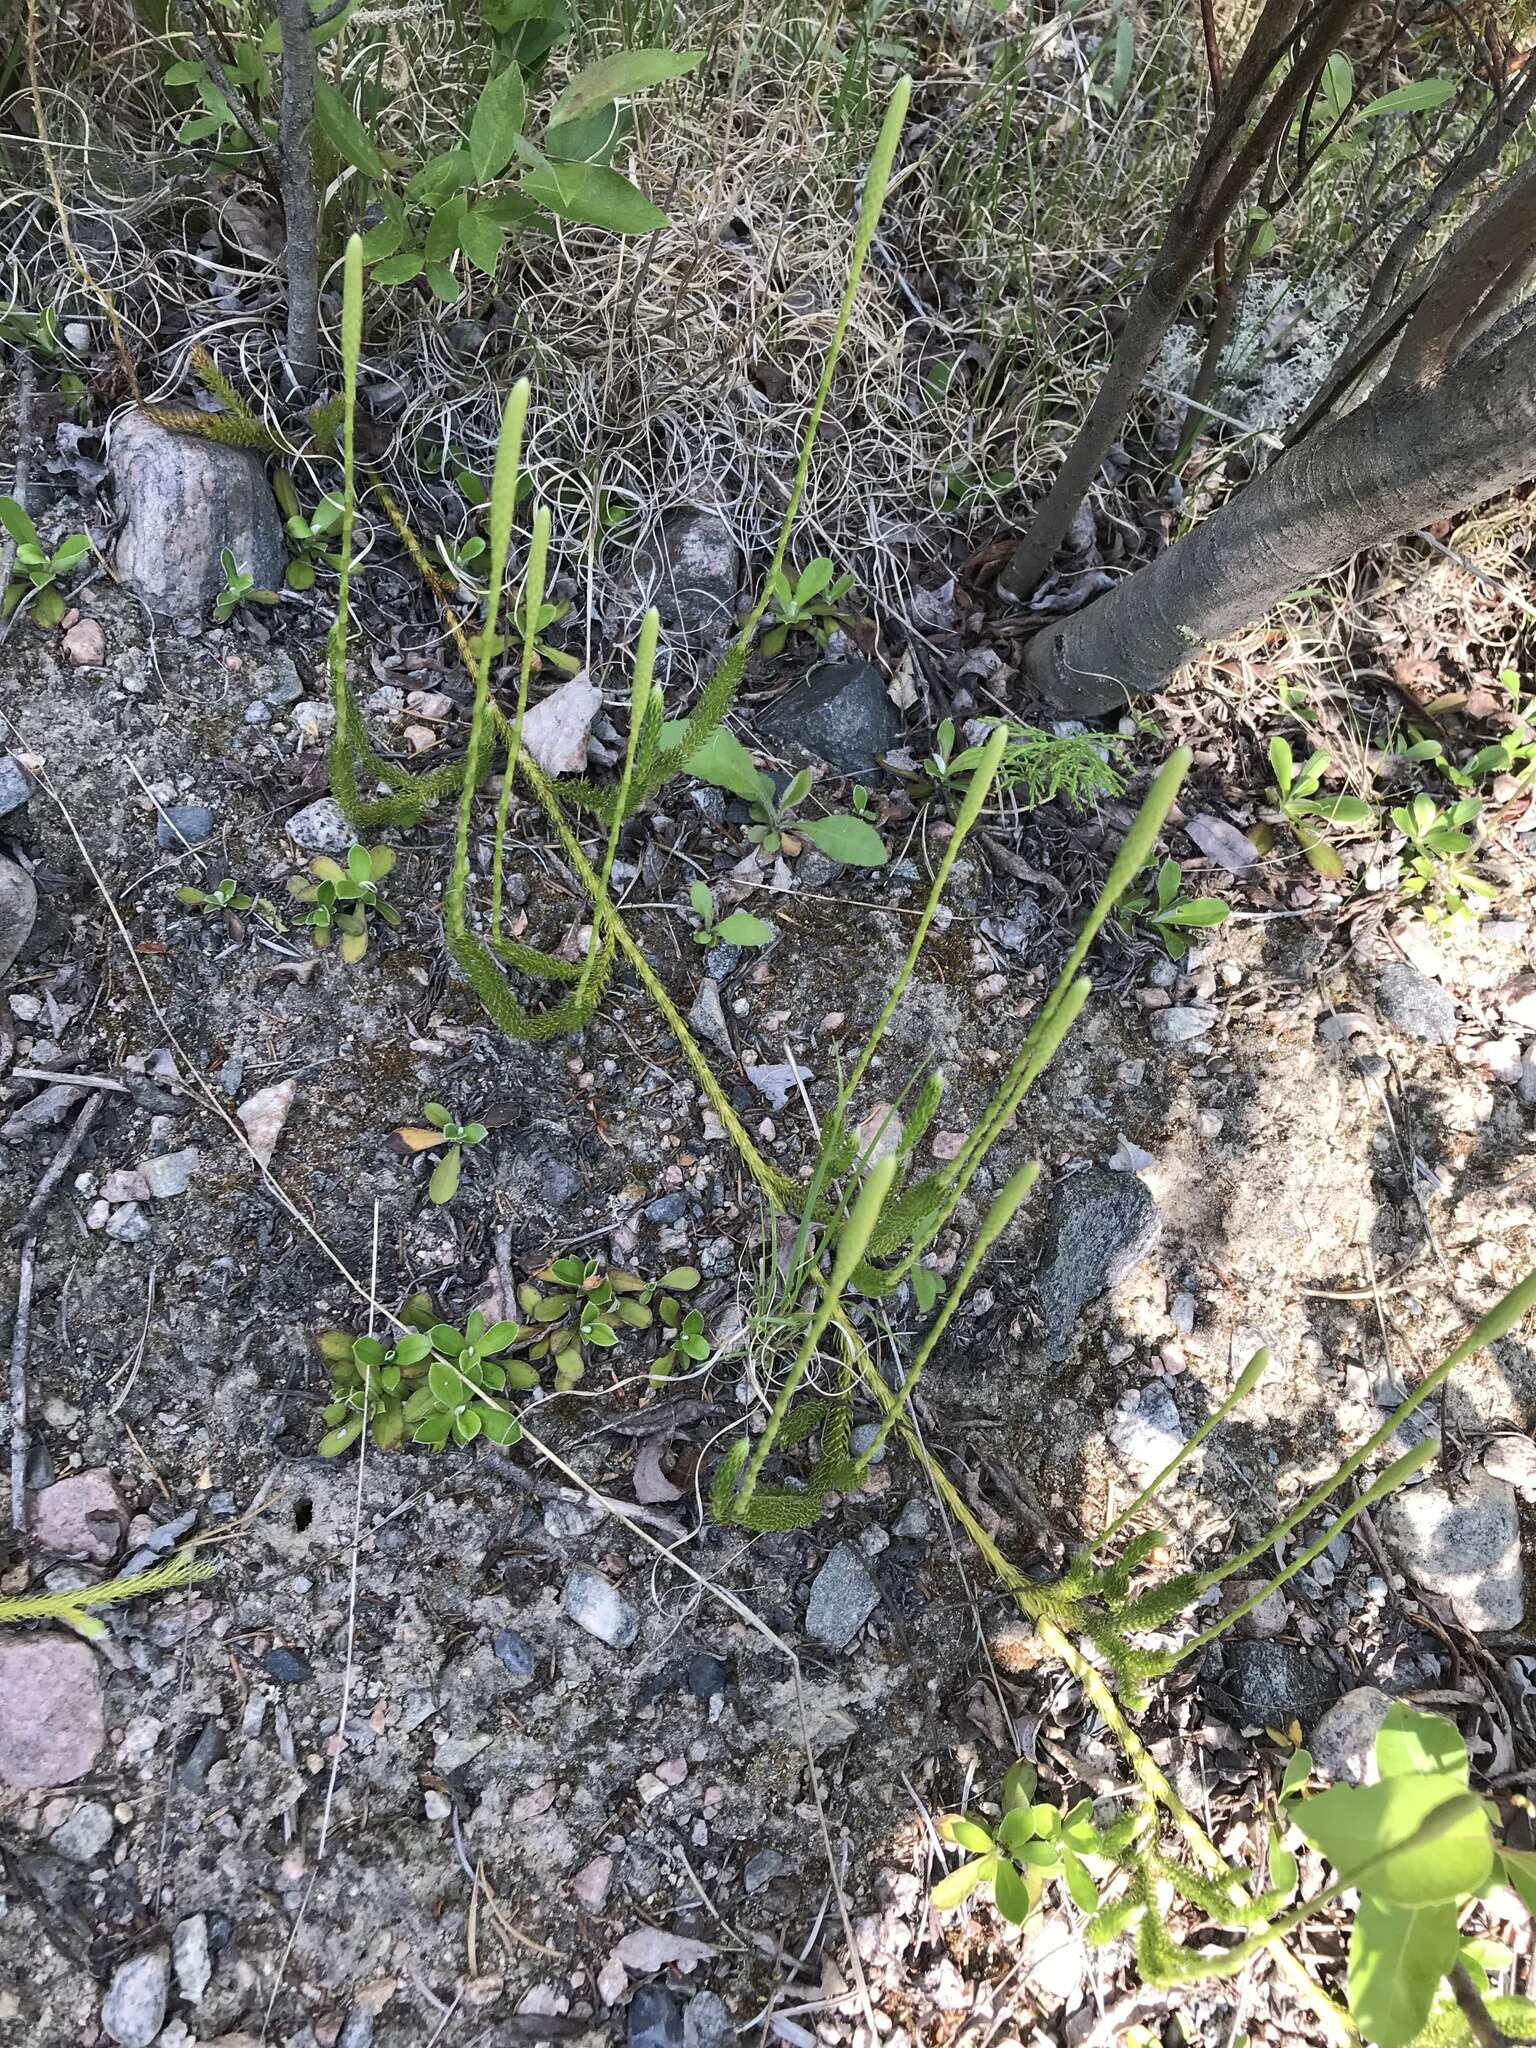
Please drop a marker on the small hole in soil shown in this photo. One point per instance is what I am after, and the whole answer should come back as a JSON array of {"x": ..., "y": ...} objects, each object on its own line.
[{"x": 303, "y": 1514}]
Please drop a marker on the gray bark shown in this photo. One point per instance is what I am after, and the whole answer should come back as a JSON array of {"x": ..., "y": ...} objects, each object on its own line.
[
  {"x": 296, "y": 114},
  {"x": 1397, "y": 462}
]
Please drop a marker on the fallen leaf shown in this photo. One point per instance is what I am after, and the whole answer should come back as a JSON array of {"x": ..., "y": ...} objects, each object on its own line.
[
  {"x": 902, "y": 688},
  {"x": 652, "y": 1948},
  {"x": 555, "y": 730},
  {"x": 651, "y": 1482},
  {"x": 1129, "y": 1158},
  {"x": 419, "y": 1137},
  {"x": 1222, "y": 843},
  {"x": 264, "y": 1116},
  {"x": 777, "y": 1080}
]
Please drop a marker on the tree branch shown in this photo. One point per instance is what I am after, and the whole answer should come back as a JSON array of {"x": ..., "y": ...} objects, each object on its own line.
[{"x": 1473, "y": 266}]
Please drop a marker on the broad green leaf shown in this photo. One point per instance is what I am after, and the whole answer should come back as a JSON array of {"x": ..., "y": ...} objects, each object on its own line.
[
  {"x": 853, "y": 841},
  {"x": 1409, "y": 1840},
  {"x": 17, "y": 523},
  {"x": 444, "y": 1184},
  {"x": 591, "y": 140},
  {"x": 187, "y": 72},
  {"x": 1200, "y": 910},
  {"x": 594, "y": 196},
  {"x": 1414, "y": 1744},
  {"x": 413, "y": 1347},
  {"x": 1019, "y": 1783},
  {"x": 1282, "y": 763},
  {"x": 433, "y": 1429},
  {"x": 343, "y": 130},
  {"x": 1081, "y": 1888},
  {"x": 1017, "y": 1827},
  {"x": 957, "y": 1886},
  {"x": 616, "y": 77},
  {"x": 441, "y": 174},
  {"x": 383, "y": 239},
  {"x": 722, "y": 760},
  {"x": 927, "y": 1286},
  {"x": 399, "y": 269},
  {"x": 1010, "y": 1892},
  {"x": 1422, "y": 97},
  {"x": 496, "y": 1339},
  {"x": 480, "y": 237},
  {"x": 496, "y": 123},
  {"x": 682, "y": 1278},
  {"x": 444, "y": 285},
  {"x": 741, "y": 928},
  {"x": 500, "y": 1427},
  {"x": 446, "y": 1385},
  {"x": 703, "y": 902},
  {"x": 1297, "y": 1771},
  {"x": 967, "y": 1833},
  {"x": 1397, "y": 1958},
  {"x": 443, "y": 234}
]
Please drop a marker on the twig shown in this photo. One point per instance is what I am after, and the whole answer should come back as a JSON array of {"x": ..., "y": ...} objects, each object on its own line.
[
  {"x": 197, "y": 29},
  {"x": 1480, "y": 2021},
  {"x": 21, "y": 1331},
  {"x": 32, "y": 1215}
]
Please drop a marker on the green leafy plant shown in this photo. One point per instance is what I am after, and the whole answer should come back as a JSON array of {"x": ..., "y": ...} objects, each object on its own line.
[
  {"x": 1295, "y": 794},
  {"x": 740, "y": 928},
  {"x": 684, "y": 1336},
  {"x": 311, "y": 534},
  {"x": 225, "y": 899},
  {"x": 725, "y": 762},
  {"x": 1035, "y": 766},
  {"x": 36, "y": 570},
  {"x": 341, "y": 898},
  {"x": 1029, "y": 1846},
  {"x": 445, "y": 1130},
  {"x": 808, "y": 604},
  {"x": 1170, "y": 915},
  {"x": 239, "y": 588},
  {"x": 1437, "y": 858},
  {"x": 432, "y": 1381},
  {"x": 574, "y": 1305},
  {"x": 1513, "y": 754}
]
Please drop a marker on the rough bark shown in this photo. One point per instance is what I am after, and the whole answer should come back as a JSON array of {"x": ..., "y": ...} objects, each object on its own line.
[
  {"x": 1397, "y": 462},
  {"x": 296, "y": 114},
  {"x": 1238, "y": 142}
]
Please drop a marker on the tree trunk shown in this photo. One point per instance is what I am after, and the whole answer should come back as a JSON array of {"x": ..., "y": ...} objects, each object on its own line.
[
  {"x": 1395, "y": 463},
  {"x": 296, "y": 116}
]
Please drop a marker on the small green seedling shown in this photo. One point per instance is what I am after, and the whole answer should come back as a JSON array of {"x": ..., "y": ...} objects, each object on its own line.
[
  {"x": 1514, "y": 754},
  {"x": 725, "y": 762},
  {"x": 741, "y": 928},
  {"x": 573, "y": 1304},
  {"x": 465, "y": 561},
  {"x": 1437, "y": 870},
  {"x": 1169, "y": 915},
  {"x": 36, "y": 569},
  {"x": 685, "y": 1338},
  {"x": 1017, "y": 1857},
  {"x": 340, "y": 898},
  {"x": 1036, "y": 766},
  {"x": 225, "y": 899},
  {"x": 1294, "y": 793},
  {"x": 432, "y": 1381},
  {"x": 239, "y": 588},
  {"x": 311, "y": 534},
  {"x": 808, "y": 605},
  {"x": 444, "y": 1184}
]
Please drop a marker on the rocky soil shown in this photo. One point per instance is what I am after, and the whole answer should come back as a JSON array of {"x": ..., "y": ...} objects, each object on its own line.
[{"x": 505, "y": 1747}]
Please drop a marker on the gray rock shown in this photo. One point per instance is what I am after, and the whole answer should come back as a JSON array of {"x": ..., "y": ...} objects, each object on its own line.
[
  {"x": 691, "y": 572},
  {"x": 667, "y": 1208},
  {"x": 210, "y": 1746},
  {"x": 184, "y": 824},
  {"x": 600, "y": 1609},
  {"x": 286, "y": 1665},
  {"x": 1513, "y": 1459},
  {"x": 1145, "y": 1432},
  {"x": 1102, "y": 1225},
  {"x": 1343, "y": 1743},
  {"x": 86, "y": 1836},
  {"x": 1419, "y": 1007},
  {"x": 722, "y": 961},
  {"x": 356, "y": 2028},
  {"x": 82, "y": 1517},
  {"x": 184, "y": 500},
  {"x": 860, "y": 1440},
  {"x": 655, "y": 2018},
  {"x": 258, "y": 713},
  {"x": 1527, "y": 1081},
  {"x": 18, "y": 911},
  {"x": 321, "y": 827},
  {"x": 911, "y": 1525},
  {"x": 129, "y": 1224},
  {"x": 706, "y": 2023},
  {"x": 1269, "y": 1685},
  {"x": 1463, "y": 1542},
  {"x": 843, "y": 1598},
  {"x": 841, "y": 714},
  {"x": 170, "y": 1173},
  {"x": 15, "y": 785},
  {"x": 1179, "y": 1025},
  {"x": 133, "y": 2011},
  {"x": 707, "y": 1017},
  {"x": 286, "y": 687},
  {"x": 46, "y": 1109},
  {"x": 51, "y": 1723},
  {"x": 189, "y": 1957},
  {"x": 707, "y": 1675},
  {"x": 514, "y": 1653}
]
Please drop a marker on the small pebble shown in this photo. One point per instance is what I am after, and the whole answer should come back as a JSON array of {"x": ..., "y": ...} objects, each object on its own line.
[
  {"x": 133, "y": 2011},
  {"x": 514, "y": 1652},
  {"x": 286, "y": 1666},
  {"x": 183, "y": 824},
  {"x": 257, "y": 714},
  {"x": 601, "y": 1609},
  {"x": 129, "y": 1224},
  {"x": 707, "y": 1675}
]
